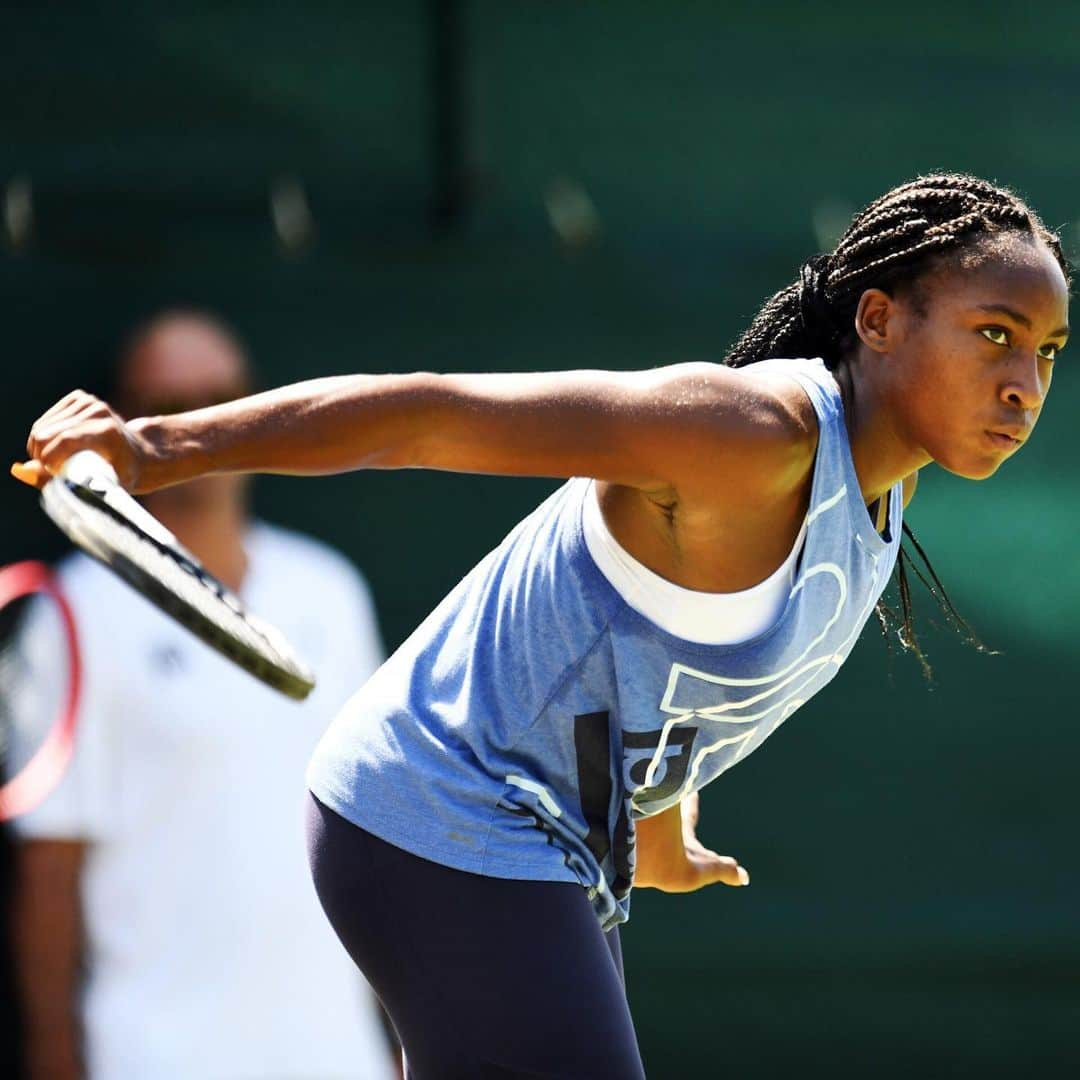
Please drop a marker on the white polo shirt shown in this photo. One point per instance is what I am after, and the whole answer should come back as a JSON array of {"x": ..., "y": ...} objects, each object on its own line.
[{"x": 207, "y": 952}]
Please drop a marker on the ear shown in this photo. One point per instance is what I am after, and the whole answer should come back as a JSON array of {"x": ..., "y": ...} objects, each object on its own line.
[{"x": 875, "y": 320}]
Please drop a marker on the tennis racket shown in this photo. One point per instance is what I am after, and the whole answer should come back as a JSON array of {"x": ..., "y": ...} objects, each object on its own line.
[
  {"x": 40, "y": 773},
  {"x": 91, "y": 508}
]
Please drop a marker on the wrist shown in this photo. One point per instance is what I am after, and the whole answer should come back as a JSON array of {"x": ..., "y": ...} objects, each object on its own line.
[
  {"x": 167, "y": 450},
  {"x": 660, "y": 849}
]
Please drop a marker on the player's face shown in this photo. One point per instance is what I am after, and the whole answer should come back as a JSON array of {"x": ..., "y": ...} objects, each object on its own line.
[{"x": 973, "y": 372}]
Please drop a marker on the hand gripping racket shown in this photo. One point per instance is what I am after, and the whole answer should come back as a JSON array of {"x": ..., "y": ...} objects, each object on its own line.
[{"x": 88, "y": 504}]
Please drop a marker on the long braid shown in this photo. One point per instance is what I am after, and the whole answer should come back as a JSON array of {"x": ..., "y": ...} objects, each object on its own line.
[{"x": 889, "y": 244}]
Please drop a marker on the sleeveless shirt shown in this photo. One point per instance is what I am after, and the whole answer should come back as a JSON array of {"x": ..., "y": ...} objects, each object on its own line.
[{"x": 534, "y": 714}]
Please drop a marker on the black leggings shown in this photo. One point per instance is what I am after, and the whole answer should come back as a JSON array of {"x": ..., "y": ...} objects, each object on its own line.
[{"x": 483, "y": 978}]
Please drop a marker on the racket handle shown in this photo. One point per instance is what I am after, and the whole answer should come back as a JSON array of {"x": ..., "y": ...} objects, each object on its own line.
[
  {"x": 92, "y": 471},
  {"x": 86, "y": 466},
  {"x": 83, "y": 467}
]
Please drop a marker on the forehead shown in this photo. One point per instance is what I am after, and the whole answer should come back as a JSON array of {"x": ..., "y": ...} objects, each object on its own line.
[
  {"x": 1021, "y": 273},
  {"x": 184, "y": 356}
]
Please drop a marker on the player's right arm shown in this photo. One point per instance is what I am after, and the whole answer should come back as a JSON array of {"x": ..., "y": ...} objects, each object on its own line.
[{"x": 688, "y": 425}]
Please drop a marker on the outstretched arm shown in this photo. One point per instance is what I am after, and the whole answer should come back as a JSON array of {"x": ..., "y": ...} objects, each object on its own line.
[{"x": 650, "y": 429}]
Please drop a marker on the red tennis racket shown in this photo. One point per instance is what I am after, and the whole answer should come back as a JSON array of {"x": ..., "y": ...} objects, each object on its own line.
[{"x": 42, "y": 772}]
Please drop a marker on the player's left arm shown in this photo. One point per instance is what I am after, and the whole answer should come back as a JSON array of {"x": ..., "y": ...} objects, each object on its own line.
[{"x": 671, "y": 858}]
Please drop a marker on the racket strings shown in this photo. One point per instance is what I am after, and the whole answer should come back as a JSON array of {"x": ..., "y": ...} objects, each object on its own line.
[
  {"x": 12, "y": 670},
  {"x": 9, "y": 670}
]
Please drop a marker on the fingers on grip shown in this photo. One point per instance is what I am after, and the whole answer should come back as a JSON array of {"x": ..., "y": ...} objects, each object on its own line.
[{"x": 78, "y": 421}]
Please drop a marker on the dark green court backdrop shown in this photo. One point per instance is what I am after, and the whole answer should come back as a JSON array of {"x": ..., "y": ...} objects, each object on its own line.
[{"x": 915, "y": 873}]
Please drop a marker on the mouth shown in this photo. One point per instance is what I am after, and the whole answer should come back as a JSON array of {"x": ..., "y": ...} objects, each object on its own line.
[{"x": 1004, "y": 441}]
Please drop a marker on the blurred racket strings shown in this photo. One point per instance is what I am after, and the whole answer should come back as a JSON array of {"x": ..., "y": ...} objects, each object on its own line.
[{"x": 33, "y": 767}]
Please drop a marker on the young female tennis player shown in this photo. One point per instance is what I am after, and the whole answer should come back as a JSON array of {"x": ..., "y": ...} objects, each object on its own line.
[{"x": 484, "y": 804}]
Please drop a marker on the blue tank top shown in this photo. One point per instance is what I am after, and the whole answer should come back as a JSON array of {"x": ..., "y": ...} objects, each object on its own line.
[{"x": 527, "y": 722}]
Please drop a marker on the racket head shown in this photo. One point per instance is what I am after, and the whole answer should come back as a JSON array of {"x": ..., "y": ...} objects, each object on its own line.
[
  {"x": 98, "y": 516},
  {"x": 43, "y": 771}
]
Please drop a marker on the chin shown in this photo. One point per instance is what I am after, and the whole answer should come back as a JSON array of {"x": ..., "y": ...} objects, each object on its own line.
[{"x": 979, "y": 469}]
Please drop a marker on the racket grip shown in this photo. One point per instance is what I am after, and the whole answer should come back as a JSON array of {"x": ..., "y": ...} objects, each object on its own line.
[
  {"x": 86, "y": 466},
  {"x": 90, "y": 470}
]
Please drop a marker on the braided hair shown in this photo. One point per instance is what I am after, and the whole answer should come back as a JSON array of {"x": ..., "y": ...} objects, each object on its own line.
[{"x": 892, "y": 245}]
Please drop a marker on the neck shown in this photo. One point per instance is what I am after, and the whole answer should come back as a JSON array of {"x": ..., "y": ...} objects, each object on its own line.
[
  {"x": 212, "y": 530},
  {"x": 882, "y": 456}
]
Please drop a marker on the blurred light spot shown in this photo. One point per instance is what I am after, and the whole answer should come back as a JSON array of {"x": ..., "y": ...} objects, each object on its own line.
[
  {"x": 291, "y": 214},
  {"x": 18, "y": 212},
  {"x": 571, "y": 213},
  {"x": 1071, "y": 241},
  {"x": 830, "y": 218}
]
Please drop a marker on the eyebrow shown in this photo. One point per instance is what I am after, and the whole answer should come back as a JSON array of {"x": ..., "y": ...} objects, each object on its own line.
[{"x": 1018, "y": 317}]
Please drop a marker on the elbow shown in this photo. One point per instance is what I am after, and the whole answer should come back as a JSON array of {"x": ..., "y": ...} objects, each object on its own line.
[{"x": 408, "y": 422}]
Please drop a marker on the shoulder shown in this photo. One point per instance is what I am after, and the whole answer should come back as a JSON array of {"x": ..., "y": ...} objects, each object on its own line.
[
  {"x": 758, "y": 422},
  {"x": 764, "y": 393}
]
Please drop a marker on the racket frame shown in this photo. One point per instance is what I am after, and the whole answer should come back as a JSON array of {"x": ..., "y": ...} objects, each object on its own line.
[{"x": 87, "y": 480}]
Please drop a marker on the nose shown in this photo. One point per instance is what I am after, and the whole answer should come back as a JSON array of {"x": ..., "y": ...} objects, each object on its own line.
[{"x": 1025, "y": 388}]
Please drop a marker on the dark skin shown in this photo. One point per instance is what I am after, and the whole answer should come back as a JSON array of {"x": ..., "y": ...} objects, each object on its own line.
[
  {"x": 704, "y": 470},
  {"x": 931, "y": 386}
]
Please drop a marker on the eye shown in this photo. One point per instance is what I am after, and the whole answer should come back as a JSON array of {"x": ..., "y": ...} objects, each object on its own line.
[
  {"x": 1050, "y": 352},
  {"x": 995, "y": 334}
]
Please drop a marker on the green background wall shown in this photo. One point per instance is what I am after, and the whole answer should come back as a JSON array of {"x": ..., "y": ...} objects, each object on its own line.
[{"x": 915, "y": 873}]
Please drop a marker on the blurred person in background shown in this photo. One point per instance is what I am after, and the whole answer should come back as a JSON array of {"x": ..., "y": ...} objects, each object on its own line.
[{"x": 165, "y": 923}]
